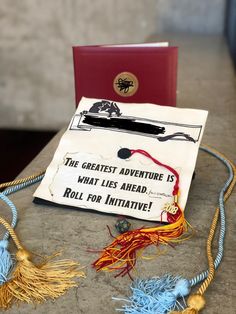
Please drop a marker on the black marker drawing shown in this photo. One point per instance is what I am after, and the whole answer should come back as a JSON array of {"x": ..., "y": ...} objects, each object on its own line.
[
  {"x": 124, "y": 85},
  {"x": 177, "y": 136},
  {"x": 106, "y": 115},
  {"x": 105, "y": 106},
  {"x": 123, "y": 124}
]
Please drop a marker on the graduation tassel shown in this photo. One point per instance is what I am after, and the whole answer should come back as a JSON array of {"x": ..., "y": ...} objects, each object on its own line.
[
  {"x": 121, "y": 254},
  {"x": 6, "y": 265},
  {"x": 29, "y": 282},
  {"x": 6, "y": 262},
  {"x": 35, "y": 283},
  {"x": 162, "y": 295}
]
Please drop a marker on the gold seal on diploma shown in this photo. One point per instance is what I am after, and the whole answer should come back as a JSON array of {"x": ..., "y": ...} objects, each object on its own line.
[{"x": 125, "y": 84}]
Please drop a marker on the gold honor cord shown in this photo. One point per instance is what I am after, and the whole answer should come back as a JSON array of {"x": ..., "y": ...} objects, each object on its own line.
[
  {"x": 19, "y": 181},
  {"x": 196, "y": 302}
]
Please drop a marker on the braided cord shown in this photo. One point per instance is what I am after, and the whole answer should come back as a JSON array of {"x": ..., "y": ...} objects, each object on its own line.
[
  {"x": 223, "y": 196},
  {"x": 25, "y": 183},
  {"x": 14, "y": 213},
  {"x": 19, "y": 181},
  {"x": 12, "y": 233},
  {"x": 211, "y": 270},
  {"x": 16, "y": 186}
]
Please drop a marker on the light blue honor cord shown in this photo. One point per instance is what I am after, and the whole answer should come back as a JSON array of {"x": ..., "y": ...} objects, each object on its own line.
[
  {"x": 6, "y": 200},
  {"x": 6, "y": 260},
  {"x": 13, "y": 189}
]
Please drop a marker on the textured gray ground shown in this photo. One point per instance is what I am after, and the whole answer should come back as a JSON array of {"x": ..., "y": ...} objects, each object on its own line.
[{"x": 207, "y": 81}]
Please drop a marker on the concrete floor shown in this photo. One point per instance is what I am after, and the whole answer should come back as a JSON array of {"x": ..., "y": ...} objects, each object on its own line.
[{"x": 206, "y": 81}]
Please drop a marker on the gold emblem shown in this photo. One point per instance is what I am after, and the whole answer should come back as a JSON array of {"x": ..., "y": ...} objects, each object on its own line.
[
  {"x": 170, "y": 208},
  {"x": 125, "y": 84}
]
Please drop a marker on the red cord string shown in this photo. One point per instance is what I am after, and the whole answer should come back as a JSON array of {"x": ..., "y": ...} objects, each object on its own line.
[{"x": 172, "y": 170}]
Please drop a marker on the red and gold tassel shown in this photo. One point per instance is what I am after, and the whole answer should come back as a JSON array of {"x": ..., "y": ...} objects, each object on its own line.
[{"x": 121, "y": 254}]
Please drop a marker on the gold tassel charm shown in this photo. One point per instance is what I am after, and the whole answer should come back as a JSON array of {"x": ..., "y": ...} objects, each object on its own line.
[
  {"x": 195, "y": 302},
  {"x": 36, "y": 283}
]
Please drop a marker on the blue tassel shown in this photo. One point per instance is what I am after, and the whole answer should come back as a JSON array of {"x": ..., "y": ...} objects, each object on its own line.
[
  {"x": 157, "y": 295},
  {"x": 6, "y": 262}
]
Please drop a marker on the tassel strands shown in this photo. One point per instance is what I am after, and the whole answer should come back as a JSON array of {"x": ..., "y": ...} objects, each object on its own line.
[
  {"x": 29, "y": 282},
  {"x": 121, "y": 254},
  {"x": 157, "y": 295},
  {"x": 36, "y": 283},
  {"x": 166, "y": 294},
  {"x": 6, "y": 262}
]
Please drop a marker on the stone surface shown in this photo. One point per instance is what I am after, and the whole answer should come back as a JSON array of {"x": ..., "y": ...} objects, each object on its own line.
[
  {"x": 37, "y": 78},
  {"x": 36, "y": 81},
  {"x": 189, "y": 16},
  {"x": 207, "y": 81}
]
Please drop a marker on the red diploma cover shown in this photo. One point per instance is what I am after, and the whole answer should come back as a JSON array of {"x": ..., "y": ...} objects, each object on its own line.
[{"x": 128, "y": 73}]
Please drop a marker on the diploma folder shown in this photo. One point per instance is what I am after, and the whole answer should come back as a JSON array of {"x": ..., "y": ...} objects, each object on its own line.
[{"x": 145, "y": 73}]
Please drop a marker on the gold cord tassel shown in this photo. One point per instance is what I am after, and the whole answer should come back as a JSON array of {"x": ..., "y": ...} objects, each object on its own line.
[
  {"x": 36, "y": 283},
  {"x": 195, "y": 302},
  {"x": 5, "y": 297}
]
